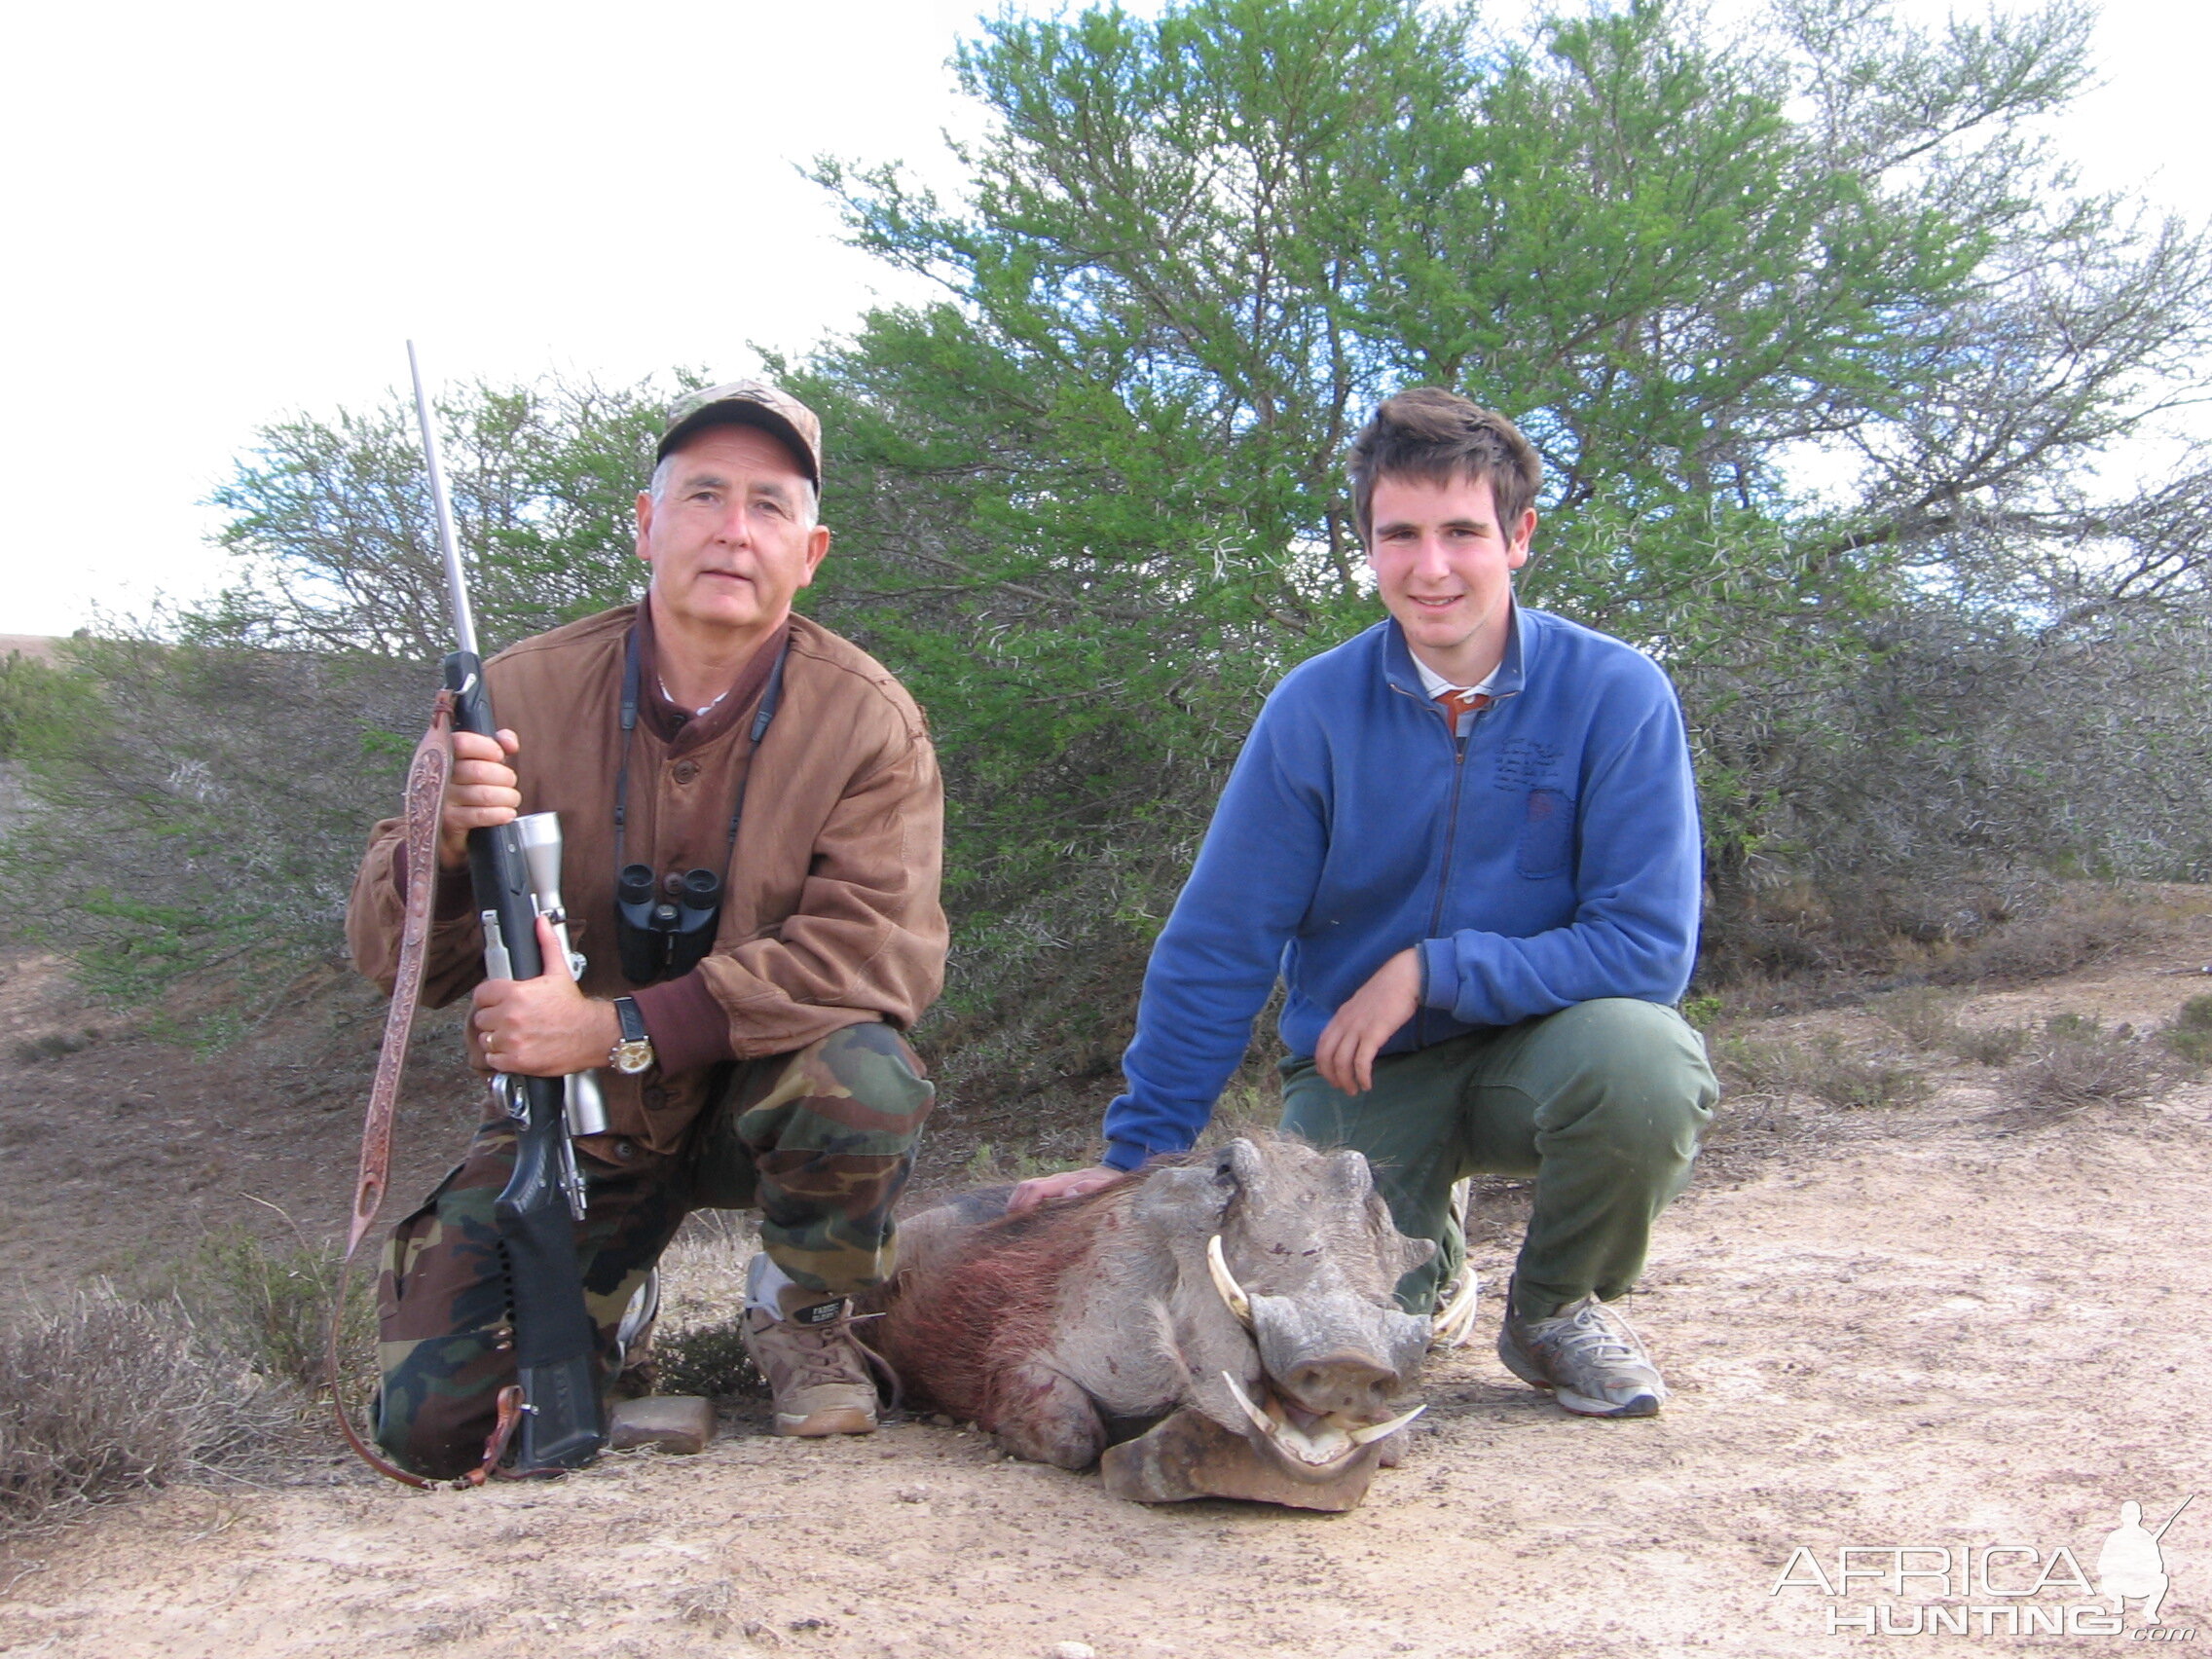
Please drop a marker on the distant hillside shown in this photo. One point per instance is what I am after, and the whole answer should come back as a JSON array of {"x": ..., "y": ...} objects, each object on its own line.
[{"x": 39, "y": 647}]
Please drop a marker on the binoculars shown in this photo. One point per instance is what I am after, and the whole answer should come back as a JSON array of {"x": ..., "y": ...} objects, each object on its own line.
[{"x": 663, "y": 935}]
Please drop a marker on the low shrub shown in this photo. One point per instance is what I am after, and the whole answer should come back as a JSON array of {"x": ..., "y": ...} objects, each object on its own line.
[
  {"x": 2189, "y": 1036},
  {"x": 709, "y": 1360},
  {"x": 2084, "y": 926}
]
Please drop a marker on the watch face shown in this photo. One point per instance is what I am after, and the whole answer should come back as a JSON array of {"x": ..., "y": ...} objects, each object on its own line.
[{"x": 634, "y": 1055}]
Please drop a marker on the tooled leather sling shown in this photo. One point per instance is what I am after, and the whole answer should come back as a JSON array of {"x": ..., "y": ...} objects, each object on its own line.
[{"x": 427, "y": 775}]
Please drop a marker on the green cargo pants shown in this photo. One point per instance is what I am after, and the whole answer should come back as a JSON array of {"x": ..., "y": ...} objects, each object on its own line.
[
  {"x": 1603, "y": 1103},
  {"x": 819, "y": 1141}
]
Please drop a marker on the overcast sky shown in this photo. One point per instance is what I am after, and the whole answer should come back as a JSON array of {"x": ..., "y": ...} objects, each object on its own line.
[{"x": 230, "y": 211}]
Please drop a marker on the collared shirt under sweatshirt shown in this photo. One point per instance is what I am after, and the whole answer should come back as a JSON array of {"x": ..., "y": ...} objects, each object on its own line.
[{"x": 1543, "y": 854}]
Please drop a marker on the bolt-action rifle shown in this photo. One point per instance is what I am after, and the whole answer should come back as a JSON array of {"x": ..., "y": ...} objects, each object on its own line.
[
  {"x": 555, "y": 1341},
  {"x": 551, "y": 1413}
]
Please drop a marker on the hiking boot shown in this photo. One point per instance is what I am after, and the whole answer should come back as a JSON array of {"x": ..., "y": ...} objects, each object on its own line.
[
  {"x": 816, "y": 1368},
  {"x": 1586, "y": 1356}
]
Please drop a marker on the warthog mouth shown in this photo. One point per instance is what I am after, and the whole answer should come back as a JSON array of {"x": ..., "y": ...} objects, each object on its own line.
[{"x": 1313, "y": 1446}]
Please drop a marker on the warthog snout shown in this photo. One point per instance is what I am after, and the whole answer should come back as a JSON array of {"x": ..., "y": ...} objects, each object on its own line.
[
  {"x": 1337, "y": 1353},
  {"x": 1340, "y": 1384}
]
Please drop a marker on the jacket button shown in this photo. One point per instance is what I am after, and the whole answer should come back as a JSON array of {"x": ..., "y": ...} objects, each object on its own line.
[{"x": 686, "y": 770}]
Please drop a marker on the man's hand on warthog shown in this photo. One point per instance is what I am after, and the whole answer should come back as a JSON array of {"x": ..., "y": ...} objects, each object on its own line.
[
  {"x": 484, "y": 793},
  {"x": 1068, "y": 1184},
  {"x": 542, "y": 1028}
]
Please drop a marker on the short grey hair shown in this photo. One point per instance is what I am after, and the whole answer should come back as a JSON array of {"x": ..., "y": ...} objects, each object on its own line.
[{"x": 810, "y": 500}]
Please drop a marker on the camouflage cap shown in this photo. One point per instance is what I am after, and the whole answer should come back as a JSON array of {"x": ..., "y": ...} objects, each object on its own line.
[{"x": 750, "y": 403}]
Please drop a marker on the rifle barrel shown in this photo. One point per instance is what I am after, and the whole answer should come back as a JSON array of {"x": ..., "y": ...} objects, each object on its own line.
[
  {"x": 2175, "y": 1516},
  {"x": 448, "y": 544}
]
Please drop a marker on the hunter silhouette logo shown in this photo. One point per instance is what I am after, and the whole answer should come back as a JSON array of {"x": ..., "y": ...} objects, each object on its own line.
[
  {"x": 2007, "y": 1589},
  {"x": 2131, "y": 1564}
]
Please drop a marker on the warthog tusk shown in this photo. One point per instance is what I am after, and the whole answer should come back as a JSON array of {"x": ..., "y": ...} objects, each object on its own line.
[
  {"x": 1455, "y": 1319},
  {"x": 1225, "y": 1281},
  {"x": 1260, "y": 1419},
  {"x": 1327, "y": 1443},
  {"x": 1370, "y": 1435}
]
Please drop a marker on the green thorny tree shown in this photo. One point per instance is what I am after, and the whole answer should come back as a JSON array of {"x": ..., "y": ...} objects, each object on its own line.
[
  {"x": 1101, "y": 504},
  {"x": 332, "y": 519},
  {"x": 206, "y": 808},
  {"x": 1092, "y": 506}
]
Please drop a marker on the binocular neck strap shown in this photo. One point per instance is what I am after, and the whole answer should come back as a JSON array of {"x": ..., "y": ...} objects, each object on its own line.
[{"x": 771, "y": 696}]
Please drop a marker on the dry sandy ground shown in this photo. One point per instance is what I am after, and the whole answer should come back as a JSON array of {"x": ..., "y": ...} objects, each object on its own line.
[{"x": 1944, "y": 1327}]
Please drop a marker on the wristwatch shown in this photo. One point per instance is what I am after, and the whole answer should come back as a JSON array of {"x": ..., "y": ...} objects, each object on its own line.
[{"x": 634, "y": 1053}]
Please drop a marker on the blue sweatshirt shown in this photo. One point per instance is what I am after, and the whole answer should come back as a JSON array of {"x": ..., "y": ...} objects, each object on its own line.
[{"x": 1544, "y": 854}]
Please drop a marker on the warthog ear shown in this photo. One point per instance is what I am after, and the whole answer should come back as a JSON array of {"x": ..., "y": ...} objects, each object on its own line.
[
  {"x": 1348, "y": 1171},
  {"x": 1414, "y": 1252},
  {"x": 1186, "y": 1202},
  {"x": 1238, "y": 1166}
]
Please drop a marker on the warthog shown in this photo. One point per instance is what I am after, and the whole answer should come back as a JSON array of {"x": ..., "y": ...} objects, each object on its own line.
[{"x": 1219, "y": 1325}]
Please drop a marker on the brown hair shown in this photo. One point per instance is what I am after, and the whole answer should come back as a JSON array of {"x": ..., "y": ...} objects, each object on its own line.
[{"x": 1437, "y": 436}]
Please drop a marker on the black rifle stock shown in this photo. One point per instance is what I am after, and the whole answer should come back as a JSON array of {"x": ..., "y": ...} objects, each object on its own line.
[{"x": 555, "y": 1341}]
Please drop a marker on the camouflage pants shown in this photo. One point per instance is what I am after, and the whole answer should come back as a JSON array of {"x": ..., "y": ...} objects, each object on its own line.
[{"x": 821, "y": 1141}]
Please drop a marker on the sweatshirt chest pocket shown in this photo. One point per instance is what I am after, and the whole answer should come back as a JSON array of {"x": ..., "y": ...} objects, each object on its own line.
[{"x": 1547, "y": 835}]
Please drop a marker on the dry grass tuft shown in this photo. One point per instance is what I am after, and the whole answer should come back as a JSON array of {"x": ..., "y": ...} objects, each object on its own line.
[
  {"x": 1991, "y": 1045},
  {"x": 1922, "y": 1016},
  {"x": 1827, "y": 1071},
  {"x": 270, "y": 1305},
  {"x": 1754, "y": 1066},
  {"x": 1852, "y": 1083},
  {"x": 2086, "y": 925},
  {"x": 102, "y": 1396},
  {"x": 1801, "y": 952},
  {"x": 2076, "y": 1063}
]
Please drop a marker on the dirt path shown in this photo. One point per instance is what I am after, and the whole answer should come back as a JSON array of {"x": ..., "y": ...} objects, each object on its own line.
[
  {"x": 1950, "y": 1327},
  {"x": 1944, "y": 1335}
]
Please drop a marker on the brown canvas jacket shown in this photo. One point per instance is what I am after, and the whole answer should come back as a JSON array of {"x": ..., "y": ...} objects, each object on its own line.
[{"x": 829, "y": 915}]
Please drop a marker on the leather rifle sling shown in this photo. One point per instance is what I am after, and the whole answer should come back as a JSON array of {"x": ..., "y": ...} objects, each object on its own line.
[{"x": 427, "y": 775}]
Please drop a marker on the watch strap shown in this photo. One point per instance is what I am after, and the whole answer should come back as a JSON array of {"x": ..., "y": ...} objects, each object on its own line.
[{"x": 632, "y": 1022}]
